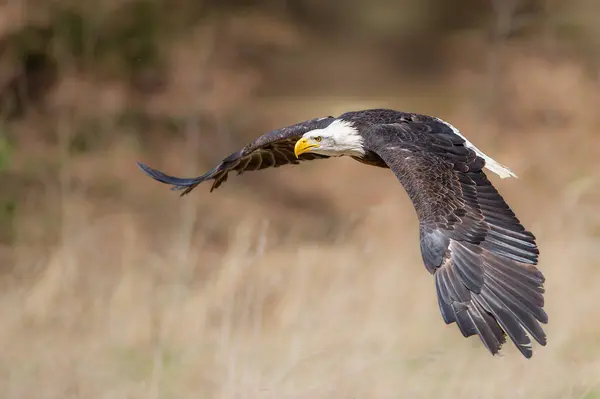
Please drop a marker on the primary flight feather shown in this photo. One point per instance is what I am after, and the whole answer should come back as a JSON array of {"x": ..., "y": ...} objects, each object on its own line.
[{"x": 482, "y": 258}]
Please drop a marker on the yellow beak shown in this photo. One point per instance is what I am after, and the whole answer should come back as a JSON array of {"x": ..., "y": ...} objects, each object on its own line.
[{"x": 304, "y": 145}]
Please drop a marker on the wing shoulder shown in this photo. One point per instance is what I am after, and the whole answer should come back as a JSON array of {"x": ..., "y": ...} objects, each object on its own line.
[
  {"x": 416, "y": 122},
  {"x": 433, "y": 171}
]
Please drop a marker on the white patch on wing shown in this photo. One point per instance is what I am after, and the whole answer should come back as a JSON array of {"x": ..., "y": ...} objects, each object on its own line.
[{"x": 490, "y": 164}]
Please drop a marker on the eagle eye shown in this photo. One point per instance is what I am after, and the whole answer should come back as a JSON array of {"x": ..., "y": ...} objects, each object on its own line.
[{"x": 318, "y": 139}]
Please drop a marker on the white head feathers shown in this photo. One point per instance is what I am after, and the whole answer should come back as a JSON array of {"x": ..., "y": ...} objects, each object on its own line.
[{"x": 339, "y": 138}]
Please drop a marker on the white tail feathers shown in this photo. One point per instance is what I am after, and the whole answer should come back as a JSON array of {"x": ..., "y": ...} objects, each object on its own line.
[
  {"x": 490, "y": 164},
  {"x": 494, "y": 166}
]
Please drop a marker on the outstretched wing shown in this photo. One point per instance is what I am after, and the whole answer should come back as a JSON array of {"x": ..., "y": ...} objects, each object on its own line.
[
  {"x": 482, "y": 258},
  {"x": 272, "y": 149}
]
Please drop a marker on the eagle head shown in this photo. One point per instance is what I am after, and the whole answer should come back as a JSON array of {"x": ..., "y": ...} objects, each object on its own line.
[{"x": 337, "y": 139}]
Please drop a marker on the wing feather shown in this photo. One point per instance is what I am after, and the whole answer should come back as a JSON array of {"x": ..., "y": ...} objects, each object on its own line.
[
  {"x": 481, "y": 256},
  {"x": 464, "y": 321}
]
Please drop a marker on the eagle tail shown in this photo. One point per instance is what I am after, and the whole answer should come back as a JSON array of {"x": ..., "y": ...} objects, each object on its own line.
[
  {"x": 496, "y": 167},
  {"x": 490, "y": 164}
]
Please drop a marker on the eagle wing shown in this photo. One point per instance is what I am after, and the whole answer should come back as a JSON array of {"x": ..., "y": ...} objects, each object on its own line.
[
  {"x": 482, "y": 258},
  {"x": 272, "y": 149}
]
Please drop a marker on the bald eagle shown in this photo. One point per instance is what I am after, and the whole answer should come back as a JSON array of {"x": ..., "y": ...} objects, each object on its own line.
[{"x": 482, "y": 259}]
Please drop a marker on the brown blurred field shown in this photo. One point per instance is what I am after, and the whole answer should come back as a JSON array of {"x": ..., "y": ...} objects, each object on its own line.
[{"x": 299, "y": 282}]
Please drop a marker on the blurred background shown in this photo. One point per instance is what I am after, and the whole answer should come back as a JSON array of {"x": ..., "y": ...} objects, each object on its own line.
[{"x": 298, "y": 282}]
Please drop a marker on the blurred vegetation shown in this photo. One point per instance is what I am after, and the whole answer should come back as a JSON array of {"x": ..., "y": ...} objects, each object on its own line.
[
  {"x": 125, "y": 40},
  {"x": 84, "y": 78}
]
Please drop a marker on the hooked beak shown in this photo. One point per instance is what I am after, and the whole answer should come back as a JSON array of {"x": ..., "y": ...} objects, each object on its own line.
[{"x": 304, "y": 145}]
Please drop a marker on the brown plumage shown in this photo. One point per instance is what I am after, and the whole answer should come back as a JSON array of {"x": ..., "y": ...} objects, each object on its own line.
[{"x": 482, "y": 258}]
